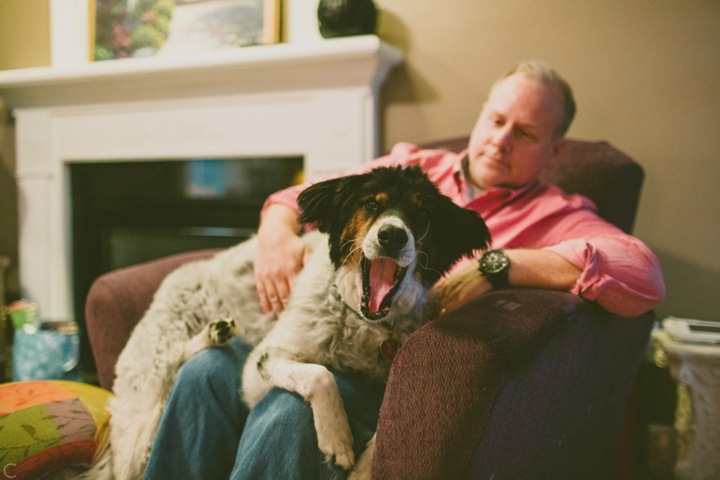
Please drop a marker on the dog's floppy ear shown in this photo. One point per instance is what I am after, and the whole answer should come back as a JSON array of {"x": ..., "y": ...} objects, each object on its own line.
[
  {"x": 323, "y": 202},
  {"x": 459, "y": 232}
]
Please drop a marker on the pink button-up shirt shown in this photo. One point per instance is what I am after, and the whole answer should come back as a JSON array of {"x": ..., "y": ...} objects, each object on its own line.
[{"x": 618, "y": 271}]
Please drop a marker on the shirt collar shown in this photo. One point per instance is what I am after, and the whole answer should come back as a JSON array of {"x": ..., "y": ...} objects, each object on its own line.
[{"x": 507, "y": 194}]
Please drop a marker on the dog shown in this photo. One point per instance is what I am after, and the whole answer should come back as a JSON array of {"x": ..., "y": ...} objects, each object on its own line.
[{"x": 383, "y": 239}]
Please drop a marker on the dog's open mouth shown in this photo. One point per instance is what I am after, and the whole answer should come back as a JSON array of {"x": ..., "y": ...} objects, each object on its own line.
[{"x": 381, "y": 280}]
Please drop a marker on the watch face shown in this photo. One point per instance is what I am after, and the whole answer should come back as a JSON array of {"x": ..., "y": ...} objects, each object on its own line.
[{"x": 493, "y": 261}]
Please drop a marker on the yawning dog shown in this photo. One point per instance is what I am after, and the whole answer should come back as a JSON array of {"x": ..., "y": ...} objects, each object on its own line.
[{"x": 385, "y": 238}]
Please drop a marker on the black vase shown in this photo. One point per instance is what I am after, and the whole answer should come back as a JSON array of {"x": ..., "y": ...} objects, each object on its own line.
[{"x": 341, "y": 18}]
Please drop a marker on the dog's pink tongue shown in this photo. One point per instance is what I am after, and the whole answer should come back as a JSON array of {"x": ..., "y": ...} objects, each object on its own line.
[{"x": 382, "y": 279}]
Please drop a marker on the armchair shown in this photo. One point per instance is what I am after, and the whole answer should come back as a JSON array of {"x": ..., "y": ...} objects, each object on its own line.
[{"x": 522, "y": 383}]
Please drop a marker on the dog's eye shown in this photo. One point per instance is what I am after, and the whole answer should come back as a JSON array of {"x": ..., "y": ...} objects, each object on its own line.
[
  {"x": 421, "y": 215},
  {"x": 371, "y": 206}
]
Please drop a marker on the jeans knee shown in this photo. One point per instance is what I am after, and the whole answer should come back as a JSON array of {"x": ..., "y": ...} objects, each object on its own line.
[
  {"x": 207, "y": 366},
  {"x": 284, "y": 410},
  {"x": 216, "y": 367}
]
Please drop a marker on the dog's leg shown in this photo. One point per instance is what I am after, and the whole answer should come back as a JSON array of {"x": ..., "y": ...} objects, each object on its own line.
[
  {"x": 317, "y": 386},
  {"x": 215, "y": 334},
  {"x": 363, "y": 469},
  {"x": 132, "y": 432}
]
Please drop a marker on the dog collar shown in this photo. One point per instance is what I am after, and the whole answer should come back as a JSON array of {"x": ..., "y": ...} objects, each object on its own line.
[
  {"x": 389, "y": 348},
  {"x": 337, "y": 299}
]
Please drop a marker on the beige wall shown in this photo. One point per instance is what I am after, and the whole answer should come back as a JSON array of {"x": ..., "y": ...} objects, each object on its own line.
[
  {"x": 24, "y": 33},
  {"x": 646, "y": 75}
]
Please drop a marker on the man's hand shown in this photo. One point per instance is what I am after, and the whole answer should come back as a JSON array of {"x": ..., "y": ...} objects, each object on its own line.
[
  {"x": 528, "y": 268},
  {"x": 462, "y": 286},
  {"x": 281, "y": 255}
]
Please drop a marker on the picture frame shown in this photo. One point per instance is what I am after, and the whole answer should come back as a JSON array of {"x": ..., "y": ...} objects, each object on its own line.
[{"x": 145, "y": 28}]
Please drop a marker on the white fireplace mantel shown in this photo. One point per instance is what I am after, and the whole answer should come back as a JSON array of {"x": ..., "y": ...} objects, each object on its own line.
[
  {"x": 316, "y": 99},
  {"x": 362, "y": 61}
]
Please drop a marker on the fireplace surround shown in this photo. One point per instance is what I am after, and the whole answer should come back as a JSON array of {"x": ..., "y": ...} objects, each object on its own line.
[{"x": 316, "y": 100}]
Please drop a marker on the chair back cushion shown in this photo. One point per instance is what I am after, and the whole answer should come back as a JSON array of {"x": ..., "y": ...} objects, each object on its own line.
[{"x": 596, "y": 170}]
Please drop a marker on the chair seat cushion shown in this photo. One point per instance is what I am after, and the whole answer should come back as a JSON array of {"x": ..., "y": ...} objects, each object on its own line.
[{"x": 46, "y": 425}]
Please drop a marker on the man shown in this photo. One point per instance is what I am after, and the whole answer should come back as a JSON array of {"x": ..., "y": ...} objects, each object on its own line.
[
  {"x": 547, "y": 240},
  {"x": 519, "y": 133}
]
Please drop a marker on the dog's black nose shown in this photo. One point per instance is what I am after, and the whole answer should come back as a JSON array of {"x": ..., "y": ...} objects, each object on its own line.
[{"x": 392, "y": 237}]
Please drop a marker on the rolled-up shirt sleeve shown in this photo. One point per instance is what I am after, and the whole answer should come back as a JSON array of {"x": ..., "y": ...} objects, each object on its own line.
[
  {"x": 286, "y": 197},
  {"x": 619, "y": 272}
]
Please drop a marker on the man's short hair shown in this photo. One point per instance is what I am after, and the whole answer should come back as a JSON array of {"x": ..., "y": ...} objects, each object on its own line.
[{"x": 544, "y": 74}]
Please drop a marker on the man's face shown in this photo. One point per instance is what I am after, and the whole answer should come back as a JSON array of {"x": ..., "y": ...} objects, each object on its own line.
[{"x": 513, "y": 140}]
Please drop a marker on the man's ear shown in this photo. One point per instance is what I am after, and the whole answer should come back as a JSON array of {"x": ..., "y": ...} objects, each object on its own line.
[{"x": 558, "y": 148}]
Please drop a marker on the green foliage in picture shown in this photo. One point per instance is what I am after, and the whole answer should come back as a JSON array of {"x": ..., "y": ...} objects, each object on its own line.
[{"x": 127, "y": 28}]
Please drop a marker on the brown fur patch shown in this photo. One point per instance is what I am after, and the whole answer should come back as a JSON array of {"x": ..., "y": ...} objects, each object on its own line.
[
  {"x": 415, "y": 201},
  {"x": 353, "y": 235}
]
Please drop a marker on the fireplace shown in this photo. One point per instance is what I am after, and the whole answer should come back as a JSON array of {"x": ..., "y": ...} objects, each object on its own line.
[
  {"x": 316, "y": 101},
  {"x": 125, "y": 213}
]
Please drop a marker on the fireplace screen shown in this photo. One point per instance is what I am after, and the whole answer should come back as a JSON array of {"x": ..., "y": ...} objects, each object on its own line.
[{"x": 129, "y": 212}]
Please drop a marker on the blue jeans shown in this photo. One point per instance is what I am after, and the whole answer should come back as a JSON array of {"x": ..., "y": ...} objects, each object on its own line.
[{"x": 207, "y": 432}]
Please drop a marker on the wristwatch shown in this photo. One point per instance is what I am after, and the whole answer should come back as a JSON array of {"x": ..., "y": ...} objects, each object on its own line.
[{"x": 495, "y": 266}]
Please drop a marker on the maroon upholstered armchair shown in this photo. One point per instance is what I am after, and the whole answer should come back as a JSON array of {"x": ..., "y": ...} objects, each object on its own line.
[{"x": 522, "y": 383}]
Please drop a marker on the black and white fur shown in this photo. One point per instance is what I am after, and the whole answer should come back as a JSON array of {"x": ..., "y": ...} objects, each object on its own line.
[{"x": 387, "y": 231}]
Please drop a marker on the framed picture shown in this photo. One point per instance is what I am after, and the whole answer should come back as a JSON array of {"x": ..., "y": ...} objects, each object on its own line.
[{"x": 142, "y": 28}]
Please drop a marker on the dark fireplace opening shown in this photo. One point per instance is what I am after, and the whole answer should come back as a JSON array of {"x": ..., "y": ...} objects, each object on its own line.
[{"x": 129, "y": 212}]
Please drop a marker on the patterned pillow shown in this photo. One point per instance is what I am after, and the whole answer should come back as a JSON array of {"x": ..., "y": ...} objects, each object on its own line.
[{"x": 49, "y": 424}]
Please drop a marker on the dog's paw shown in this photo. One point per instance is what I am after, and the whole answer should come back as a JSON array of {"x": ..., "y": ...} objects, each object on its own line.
[
  {"x": 220, "y": 332},
  {"x": 337, "y": 447},
  {"x": 363, "y": 468}
]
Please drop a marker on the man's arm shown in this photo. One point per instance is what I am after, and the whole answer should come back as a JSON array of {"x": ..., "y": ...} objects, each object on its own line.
[
  {"x": 281, "y": 255},
  {"x": 528, "y": 268},
  {"x": 617, "y": 271}
]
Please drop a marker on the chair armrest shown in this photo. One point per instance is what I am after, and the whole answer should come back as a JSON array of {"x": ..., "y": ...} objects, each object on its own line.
[
  {"x": 118, "y": 300},
  {"x": 521, "y": 383}
]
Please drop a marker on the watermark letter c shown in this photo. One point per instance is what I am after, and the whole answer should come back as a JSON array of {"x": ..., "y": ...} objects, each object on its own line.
[{"x": 10, "y": 467}]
